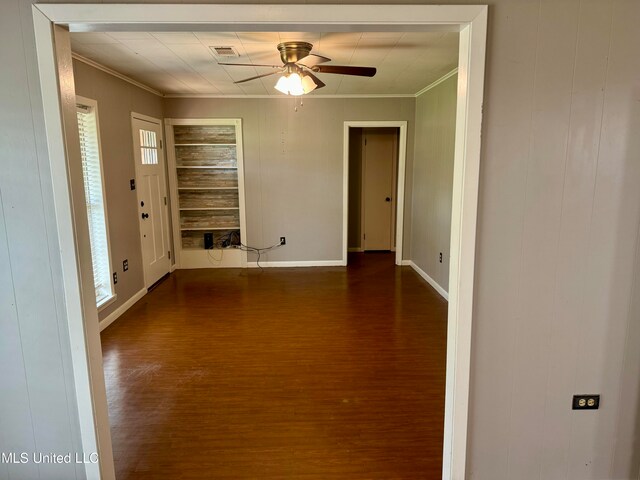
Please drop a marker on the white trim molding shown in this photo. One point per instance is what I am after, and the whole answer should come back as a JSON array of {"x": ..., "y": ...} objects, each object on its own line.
[
  {"x": 297, "y": 263},
  {"x": 132, "y": 81},
  {"x": 436, "y": 286},
  {"x": 446, "y": 76},
  {"x": 58, "y": 96},
  {"x": 121, "y": 76},
  {"x": 402, "y": 162},
  {"x": 285, "y": 97},
  {"x": 113, "y": 316}
]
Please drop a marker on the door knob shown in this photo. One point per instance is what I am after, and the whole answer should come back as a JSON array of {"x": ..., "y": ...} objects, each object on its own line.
[
  {"x": 145, "y": 215},
  {"x": 388, "y": 199}
]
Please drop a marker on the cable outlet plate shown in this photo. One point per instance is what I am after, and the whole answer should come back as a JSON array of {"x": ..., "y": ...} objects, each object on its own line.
[
  {"x": 585, "y": 402},
  {"x": 283, "y": 240}
]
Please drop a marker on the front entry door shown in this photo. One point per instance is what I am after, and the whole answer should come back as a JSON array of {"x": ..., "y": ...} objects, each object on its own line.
[
  {"x": 151, "y": 190},
  {"x": 378, "y": 161}
]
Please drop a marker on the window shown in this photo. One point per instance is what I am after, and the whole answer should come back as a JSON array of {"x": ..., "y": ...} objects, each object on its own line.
[
  {"x": 94, "y": 196},
  {"x": 149, "y": 147}
]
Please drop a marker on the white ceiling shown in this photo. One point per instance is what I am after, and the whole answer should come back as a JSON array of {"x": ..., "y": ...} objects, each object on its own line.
[{"x": 182, "y": 63}]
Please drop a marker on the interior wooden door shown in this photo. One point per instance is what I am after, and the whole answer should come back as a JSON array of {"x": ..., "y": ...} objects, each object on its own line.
[
  {"x": 152, "y": 198},
  {"x": 378, "y": 161}
]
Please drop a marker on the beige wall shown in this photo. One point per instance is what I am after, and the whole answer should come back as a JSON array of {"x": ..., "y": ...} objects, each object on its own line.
[
  {"x": 557, "y": 307},
  {"x": 558, "y": 277},
  {"x": 116, "y": 100},
  {"x": 293, "y": 165},
  {"x": 433, "y": 180}
]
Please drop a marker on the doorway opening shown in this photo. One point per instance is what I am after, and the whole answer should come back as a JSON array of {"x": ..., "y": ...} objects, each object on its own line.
[
  {"x": 374, "y": 156},
  {"x": 373, "y": 187},
  {"x": 54, "y": 57}
]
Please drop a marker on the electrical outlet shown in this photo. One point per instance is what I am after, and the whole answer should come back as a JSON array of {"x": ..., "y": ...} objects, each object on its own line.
[
  {"x": 440, "y": 257},
  {"x": 283, "y": 240},
  {"x": 115, "y": 277},
  {"x": 125, "y": 265},
  {"x": 585, "y": 402}
]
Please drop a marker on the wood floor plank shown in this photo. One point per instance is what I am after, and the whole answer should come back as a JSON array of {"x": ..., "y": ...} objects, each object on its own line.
[{"x": 307, "y": 373}]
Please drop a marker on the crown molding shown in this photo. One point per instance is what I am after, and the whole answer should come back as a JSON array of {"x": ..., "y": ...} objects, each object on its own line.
[
  {"x": 119, "y": 75},
  {"x": 213, "y": 95},
  {"x": 437, "y": 82},
  {"x": 141, "y": 85}
]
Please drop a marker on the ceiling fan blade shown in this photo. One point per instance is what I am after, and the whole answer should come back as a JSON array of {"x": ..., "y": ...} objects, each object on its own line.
[
  {"x": 346, "y": 70},
  {"x": 257, "y": 76},
  {"x": 249, "y": 65},
  {"x": 312, "y": 60},
  {"x": 319, "y": 83}
]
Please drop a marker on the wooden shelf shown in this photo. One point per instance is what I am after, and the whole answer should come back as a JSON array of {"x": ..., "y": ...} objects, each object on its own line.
[
  {"x": 205, "y": 144},
  {"x": 207, "y": 188},
  {"x": 204, "y": 229},
  {"x": 209, "y": 208},
  {"x": 206, "y": 167},
  {"x": 196, "y": 249}
]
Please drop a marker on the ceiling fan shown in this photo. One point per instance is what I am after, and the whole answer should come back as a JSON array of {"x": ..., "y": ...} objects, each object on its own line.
[{"x": 299, "y": 67}]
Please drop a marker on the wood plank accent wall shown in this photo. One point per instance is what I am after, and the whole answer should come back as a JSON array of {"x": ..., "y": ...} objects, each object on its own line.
[
  {"x": 203, "y": 178},
  {"x": 206, "y": 155},
  {"x": 207, "y": 134},
  {"x": 209, "y": 198}
]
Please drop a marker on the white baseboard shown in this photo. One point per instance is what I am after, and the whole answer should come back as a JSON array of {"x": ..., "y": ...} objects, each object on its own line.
[
  {"x": 356, "y": 249},
  {"x": 173, "y": 268},
  {"x": 121, "y": 309},
  {"x": 406, "y": 263},
  {"x": 429, "y": 280},
  {"x": 303, "y": 263}
]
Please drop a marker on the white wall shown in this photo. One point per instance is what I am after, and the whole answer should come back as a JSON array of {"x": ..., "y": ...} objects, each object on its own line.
[
  {"x": 557, "y": 277},
  {"x": 293, "y": 165},
  {"x": 558, "y": 273},
  {"x": 38, "y": 408},
  {"x": 435, "y": 125}
]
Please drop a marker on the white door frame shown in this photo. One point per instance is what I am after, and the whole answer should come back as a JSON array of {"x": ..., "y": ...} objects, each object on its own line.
[
  {"x": 167, "y": 233},
  {"x": 58, "y": 101},
  {"x": 402, "y": 160}
]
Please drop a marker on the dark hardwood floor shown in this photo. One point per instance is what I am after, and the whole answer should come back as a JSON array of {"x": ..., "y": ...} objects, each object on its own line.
[{"x": 307, "y": 373}]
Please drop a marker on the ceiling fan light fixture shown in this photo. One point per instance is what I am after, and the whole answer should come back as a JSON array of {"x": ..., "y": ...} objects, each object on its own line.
[
  {"x": 283, "y": 85},
  {"x": 308, "y": 85},
  {"x": 295, "y": 84}
]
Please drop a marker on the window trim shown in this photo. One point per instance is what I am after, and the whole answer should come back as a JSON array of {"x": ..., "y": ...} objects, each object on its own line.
[{"x": 93, "y": 105}]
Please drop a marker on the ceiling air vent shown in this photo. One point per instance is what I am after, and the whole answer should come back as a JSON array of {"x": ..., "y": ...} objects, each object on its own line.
[{"x": 224, "y": 52}]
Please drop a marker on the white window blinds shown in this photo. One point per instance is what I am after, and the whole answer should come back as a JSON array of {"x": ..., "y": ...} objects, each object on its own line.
[{"x": 92, "y": 172}]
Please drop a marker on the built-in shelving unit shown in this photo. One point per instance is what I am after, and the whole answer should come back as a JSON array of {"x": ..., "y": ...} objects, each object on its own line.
[{"x": 206, "y": 176}]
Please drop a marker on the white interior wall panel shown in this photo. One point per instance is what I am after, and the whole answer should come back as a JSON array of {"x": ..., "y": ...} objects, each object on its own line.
[
  {"x": 38, "y": 411},
  {"x": 556, "y": 309},
  {"x": 558, "y": 231}
]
